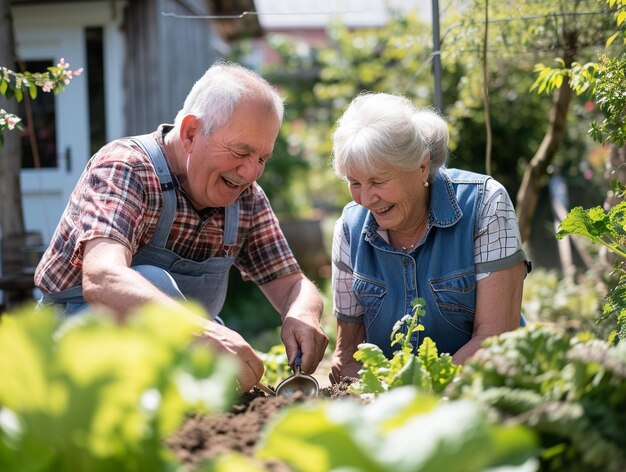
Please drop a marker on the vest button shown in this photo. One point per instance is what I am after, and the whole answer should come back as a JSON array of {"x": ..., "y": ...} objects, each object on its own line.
[{"x": 406, "y": 261}]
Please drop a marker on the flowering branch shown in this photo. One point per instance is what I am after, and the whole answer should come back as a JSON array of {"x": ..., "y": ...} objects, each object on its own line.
[{"x": 15, "y": 84}]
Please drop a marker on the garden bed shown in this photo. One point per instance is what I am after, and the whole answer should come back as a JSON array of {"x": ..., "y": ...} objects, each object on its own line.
[{"x": 204, "y": 437}]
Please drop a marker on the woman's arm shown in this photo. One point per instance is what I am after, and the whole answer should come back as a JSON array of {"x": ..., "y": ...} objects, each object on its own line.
[
  {"x": 498, "y": 308},
  {"x": 349, "y": 334},
  {"x": 343, "y": 364}
]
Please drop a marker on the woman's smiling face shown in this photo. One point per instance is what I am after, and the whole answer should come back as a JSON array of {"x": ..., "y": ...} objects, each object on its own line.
[{"x": 396, "y": 198}]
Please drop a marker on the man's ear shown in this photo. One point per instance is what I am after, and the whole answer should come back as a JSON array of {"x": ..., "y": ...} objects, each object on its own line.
[{"x": 189, "y": 129}]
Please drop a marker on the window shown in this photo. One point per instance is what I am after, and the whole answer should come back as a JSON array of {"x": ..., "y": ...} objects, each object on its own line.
[{"x": 39, "y": 144}]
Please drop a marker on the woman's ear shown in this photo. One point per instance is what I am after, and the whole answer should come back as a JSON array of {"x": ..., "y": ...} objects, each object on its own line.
[
  {"x": 189, "y": 128},
  {"x": 425, "y": 167}
]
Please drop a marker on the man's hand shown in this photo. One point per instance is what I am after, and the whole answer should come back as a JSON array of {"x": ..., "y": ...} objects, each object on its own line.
[
  {"x": 300, "y": 305},
  {"x": 231, "y": 342},
  {"x": 307, "y": 333}
]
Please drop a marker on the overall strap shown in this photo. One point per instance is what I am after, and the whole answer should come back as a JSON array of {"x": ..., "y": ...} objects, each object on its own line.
[
  {"x": 168, "y": 186},
  {"x": 231, "y": 223}
]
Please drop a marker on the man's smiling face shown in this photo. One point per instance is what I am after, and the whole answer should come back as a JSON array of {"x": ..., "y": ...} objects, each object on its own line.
[{"x": 222, "y": 165}]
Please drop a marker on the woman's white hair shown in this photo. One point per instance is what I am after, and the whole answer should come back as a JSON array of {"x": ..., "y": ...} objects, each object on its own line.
[
  {"x": 379, "y": 131},
  {"x": 214, "y": 97}
]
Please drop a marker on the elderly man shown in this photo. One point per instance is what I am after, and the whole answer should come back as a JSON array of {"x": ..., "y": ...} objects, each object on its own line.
[{"x": 163, "y": 216}]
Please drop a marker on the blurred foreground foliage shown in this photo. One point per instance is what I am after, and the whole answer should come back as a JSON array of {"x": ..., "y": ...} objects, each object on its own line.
[
  {"x": 401, "y": 430},
  {"x": 88, "y": 394}
]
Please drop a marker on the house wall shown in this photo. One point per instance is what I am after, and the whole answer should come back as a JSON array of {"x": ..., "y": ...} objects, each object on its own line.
[{"x": 165, "y": 55}]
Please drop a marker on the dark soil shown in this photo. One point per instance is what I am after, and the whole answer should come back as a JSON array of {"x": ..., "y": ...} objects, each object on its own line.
[{"x": 203, "y": 437}]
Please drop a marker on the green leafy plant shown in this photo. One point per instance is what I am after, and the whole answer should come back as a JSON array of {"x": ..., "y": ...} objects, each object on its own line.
[
  {"x": 276, "y": 365},
  {"x": 607, "y": 228},
  {"x": 608, "y": 94},
  {"x": 401, "y": 430},
  {"x": 573, "y": 303},
  {"x": 571, "y": 390},
  {"x": 427, "y": 370},
  {"x": 581, "y": 77},
  {"x": 54, "y": 79},
  {"x": 90, "y": 394}
]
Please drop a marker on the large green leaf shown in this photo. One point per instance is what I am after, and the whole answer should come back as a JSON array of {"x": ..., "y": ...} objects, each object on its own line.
[{"x": 402, "y": 430}]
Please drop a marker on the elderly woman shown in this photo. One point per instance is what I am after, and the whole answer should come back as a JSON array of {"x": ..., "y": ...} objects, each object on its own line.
[{"x": 418, "y": 229}]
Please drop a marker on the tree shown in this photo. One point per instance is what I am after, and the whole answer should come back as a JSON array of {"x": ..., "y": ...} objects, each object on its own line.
[
  {"x": 571, "y": 29},
  {"x": 319, "y": 82},
  {"x": 395, "y": 58},
  {"x": 11, "y": 217},
  {"x": 605, "y": 82}
]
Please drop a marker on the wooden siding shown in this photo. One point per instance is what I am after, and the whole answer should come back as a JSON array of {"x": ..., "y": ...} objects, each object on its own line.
[{"x": 164, "y": 57}]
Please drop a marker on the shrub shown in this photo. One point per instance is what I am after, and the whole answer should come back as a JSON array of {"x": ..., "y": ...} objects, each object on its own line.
[{"x": 571, "y": 390}]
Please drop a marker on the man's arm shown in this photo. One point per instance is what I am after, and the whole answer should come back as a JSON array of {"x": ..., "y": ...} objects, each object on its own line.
[
  {"x": 498, "y": 308},
  {"x": 300, "y": 305},
  {"x": 109, "y": 281}
]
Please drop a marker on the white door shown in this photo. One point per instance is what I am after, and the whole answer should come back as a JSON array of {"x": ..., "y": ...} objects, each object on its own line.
[
  {"x": 45, "y": 34},
  {"x": 62, "y": 139}
]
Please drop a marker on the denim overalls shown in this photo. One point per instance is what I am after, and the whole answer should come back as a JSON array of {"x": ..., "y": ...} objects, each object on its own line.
[
  {"x": 440, "y": 269},
  {"x": 205, "y": 282}
]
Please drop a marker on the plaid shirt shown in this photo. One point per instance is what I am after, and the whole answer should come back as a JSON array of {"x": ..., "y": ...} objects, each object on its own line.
[{"x": 119, "y": 197}]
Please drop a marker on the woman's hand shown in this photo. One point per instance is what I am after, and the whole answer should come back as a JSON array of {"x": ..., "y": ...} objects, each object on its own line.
[
  {"x": 343, "y": 363},
  {"x": 341, "y": 367}
]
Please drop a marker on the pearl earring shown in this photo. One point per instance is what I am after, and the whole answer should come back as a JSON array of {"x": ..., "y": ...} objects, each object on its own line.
[{"x": 426, "y": 184}]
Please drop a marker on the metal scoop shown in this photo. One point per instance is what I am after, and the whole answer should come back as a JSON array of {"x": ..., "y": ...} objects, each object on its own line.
[{"x": 298, "y": 382}]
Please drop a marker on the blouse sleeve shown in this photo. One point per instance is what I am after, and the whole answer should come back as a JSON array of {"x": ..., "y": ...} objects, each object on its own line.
[
  {"x": 346, "y": 306},
  {"x": 498, "y": 244}
]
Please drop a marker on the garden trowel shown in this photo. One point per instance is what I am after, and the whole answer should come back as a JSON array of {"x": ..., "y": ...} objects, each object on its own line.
[{"x": 298, "y": 382}]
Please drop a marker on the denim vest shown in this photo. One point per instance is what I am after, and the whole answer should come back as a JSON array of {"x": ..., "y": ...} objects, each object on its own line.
[{"x": 440, "y": 269}]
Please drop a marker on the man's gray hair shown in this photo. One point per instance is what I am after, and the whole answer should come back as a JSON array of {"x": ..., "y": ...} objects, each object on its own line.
[
  {"x": 214, "y": 97},
  {"x": 379, "y": 131}
]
